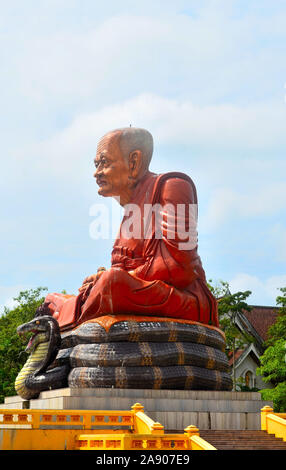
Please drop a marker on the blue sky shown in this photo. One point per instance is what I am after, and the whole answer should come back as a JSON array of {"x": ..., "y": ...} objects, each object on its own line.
[{"x": 206, "y": 78}]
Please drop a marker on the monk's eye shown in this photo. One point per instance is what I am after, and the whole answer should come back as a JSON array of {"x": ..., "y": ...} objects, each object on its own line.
[{"x": 101, "y": 162}]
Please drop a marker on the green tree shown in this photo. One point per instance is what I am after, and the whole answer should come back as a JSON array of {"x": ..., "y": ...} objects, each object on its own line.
[
  {"x": 229, "y": 305},
  {"x": 273, "y": 360},
  {"x": 12, "y": 347}
]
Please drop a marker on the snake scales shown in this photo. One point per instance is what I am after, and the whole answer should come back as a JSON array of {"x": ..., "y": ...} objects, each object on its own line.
[
  {"x": 145, "y": 354},
  {"x": 123, "y": 353}
]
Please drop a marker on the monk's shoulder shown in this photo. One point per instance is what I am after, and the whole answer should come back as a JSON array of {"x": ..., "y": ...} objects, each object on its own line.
[{"x": 177, "y": 187}]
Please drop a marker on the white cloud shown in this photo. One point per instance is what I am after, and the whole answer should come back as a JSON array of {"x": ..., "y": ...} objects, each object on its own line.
[
  {"x": 190, "y": 79},
  {"x": 277, "y": 238},
  {"x": 206, "y": 77},
  {"x": 264, "y": 292},
  {"x": 260, "y": 199},
  {"x": 80, "y": 64},
  {"x": 205, "y": 56},
  {"x": 171, "y": 121}
]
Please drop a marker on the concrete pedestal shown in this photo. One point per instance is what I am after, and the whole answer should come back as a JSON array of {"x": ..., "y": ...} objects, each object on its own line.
[{"x": 175, "y": 409}]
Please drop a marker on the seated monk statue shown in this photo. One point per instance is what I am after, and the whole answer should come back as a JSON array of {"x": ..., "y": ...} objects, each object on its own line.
[{"x": 155, "y": 275}]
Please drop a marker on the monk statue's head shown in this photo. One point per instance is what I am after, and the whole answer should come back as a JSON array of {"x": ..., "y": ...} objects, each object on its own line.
[{"x": 122, "y": 160}]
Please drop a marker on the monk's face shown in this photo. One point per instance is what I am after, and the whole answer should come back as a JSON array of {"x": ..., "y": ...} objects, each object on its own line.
[{"x": 112, "y": 169}]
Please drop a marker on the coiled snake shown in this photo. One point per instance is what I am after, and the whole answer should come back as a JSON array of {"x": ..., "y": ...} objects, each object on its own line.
[
  {"x": 43, "y": 348},
  {"x": 126, "y": 351}
]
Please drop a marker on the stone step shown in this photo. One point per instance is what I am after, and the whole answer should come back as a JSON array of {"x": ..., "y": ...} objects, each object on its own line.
[
  {"x": 248, "y": 448},
  {"x": 242, "y": 440},
  {"x": 223, "y": 434},
  {"x": 239, "y": 441}
]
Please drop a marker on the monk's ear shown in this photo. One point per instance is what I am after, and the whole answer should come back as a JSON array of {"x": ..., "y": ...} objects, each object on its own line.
[{"x": 135, "y": 163}]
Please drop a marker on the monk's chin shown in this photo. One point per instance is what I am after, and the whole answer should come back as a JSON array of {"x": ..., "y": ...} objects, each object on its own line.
[
  {"x": 103, "y": 192},
  {"x": 107, "y": 193}
]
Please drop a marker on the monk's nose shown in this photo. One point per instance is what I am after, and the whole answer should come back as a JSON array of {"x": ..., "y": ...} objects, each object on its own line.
[{"x": 98, "y": 171}]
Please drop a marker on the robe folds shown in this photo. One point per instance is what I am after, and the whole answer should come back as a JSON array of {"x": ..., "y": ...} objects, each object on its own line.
[{"x": 155, "y": 269}]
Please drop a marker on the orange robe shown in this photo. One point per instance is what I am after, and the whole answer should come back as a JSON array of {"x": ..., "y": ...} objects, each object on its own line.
[{"x": 166, "y": 280}]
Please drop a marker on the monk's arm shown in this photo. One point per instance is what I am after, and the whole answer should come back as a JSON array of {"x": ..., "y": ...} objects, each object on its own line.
[
  {"x": 169, "y": 258},
  {"x": 90, "y": 281}
]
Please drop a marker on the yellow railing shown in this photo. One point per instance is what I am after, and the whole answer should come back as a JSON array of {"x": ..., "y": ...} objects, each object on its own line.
[
  {"x": 167, "y": 442},
  {"x": 273, "y": 423},
  {"x": 62, "y": 429},
  {"x": 38, "y": 419},
  {"x": 154, "y": 439}
]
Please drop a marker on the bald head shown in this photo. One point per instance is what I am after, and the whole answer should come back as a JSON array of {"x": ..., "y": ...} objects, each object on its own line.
[
  {"x": 131, "y": 139},
  {"x": 122, "y": 160}
]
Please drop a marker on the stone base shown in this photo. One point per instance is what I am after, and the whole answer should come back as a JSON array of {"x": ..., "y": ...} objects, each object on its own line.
[{"x": 174, "y": 409}]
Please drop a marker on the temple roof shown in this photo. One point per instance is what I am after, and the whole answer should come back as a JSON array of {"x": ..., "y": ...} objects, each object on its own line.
[
  {"x": 256, "y": 322},
  {"x": 237, "y": 354},
  {"x": 241, "y": 354},
  {"x": 261, "y": 318}
]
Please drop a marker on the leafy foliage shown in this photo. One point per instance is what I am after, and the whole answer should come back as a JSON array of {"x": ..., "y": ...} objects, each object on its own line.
[
  {"x": 273, "y": 360},
  {"x": 278, "y": 329},
  {"x": 273, "y": 366},
  {"x": 228, "y": 307},
  {"x": 12, "y": 347},
  {"x": 277, "y": 395}
]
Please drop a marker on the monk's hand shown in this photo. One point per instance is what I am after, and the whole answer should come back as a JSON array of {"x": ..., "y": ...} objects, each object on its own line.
[{"x": 90, "y": 281}]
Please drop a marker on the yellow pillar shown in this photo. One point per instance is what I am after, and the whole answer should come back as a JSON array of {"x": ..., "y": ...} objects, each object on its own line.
[
  {"x": 157, "y": 428},
  {"x": 192, "y": 431},
  {"x": 137, "y": 407},
  {"x": 264, "y": 411}
]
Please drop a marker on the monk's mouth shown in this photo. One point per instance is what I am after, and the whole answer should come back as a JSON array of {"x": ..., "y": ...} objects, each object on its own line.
[
  {"x": 101, "y": 183},
  {"x": 102, "y": 186}
]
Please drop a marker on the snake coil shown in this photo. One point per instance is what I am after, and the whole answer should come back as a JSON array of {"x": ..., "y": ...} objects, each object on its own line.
[
  {"x": 131, "y": 353},
  {"x": 145, "y": 354}
]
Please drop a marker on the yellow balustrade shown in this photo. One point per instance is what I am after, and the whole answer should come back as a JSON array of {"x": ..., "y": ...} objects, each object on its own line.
[
  {"x": 36, "y": 419},
  {"x": 197, "y": 443},
  {"x": 166, "y": 442},
  {"x": 273, "y": 423},
  {"x": 80, "y": 429},
  {"x": 133, "y": 442},
  {"x": 143, "y": 424}
]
